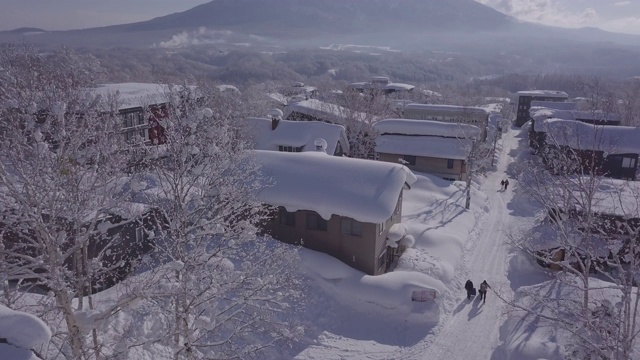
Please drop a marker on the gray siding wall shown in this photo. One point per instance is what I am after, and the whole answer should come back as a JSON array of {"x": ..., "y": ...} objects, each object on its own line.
[
  {"x": 359, "y": 252},
  {"x": 431, "y": 165}
]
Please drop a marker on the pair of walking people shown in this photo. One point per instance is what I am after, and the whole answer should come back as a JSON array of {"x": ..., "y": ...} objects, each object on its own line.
[
  {"x": 504, "y": 184},
  {"x": 471, "y": 291}
]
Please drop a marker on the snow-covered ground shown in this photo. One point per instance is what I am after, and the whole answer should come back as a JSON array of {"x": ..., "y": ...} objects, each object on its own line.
[
  {"x": 452, "y": 245},
  {"x": 349, "y": 315}
]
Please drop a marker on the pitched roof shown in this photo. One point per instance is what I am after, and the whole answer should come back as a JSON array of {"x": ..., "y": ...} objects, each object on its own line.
[
  {"x": 540, "y": 113},
  {"x": 451, "y": 108},
  {"x": 426, "y": 128},
  {"x": 428, "y": 146},
  {"x": 364, "y": 190},
  {"x": 325, "y": 111},
  {"x": 295, "y": 133},
  {"x": 582, "y": 136},
  {"x": 544, "y": 93}
]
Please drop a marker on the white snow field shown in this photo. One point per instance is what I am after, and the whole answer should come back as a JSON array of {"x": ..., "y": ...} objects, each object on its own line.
[
  {"x": 354, "y": 317},
  {"x": 349, "y": 315}
]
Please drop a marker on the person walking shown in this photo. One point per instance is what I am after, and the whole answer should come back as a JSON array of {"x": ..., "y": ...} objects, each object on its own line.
[
  {"x": 502, "y": 185},
  {"x": 469, "y": 287},
  {"x": 506, "y": 183},
  {"x": 483, "y": 290}
]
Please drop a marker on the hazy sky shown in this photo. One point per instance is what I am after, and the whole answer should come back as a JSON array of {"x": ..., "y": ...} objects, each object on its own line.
[{"x": 612, "y": 15}]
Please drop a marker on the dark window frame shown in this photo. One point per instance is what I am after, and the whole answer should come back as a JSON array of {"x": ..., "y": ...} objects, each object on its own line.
[
  {"x": 350, "y": 227},
  {"x": 410, "y": 159},
  {"x": 450, "y": 163},
  {"x": 286, "y": 218},
  {"x": 315, "y": 222}
]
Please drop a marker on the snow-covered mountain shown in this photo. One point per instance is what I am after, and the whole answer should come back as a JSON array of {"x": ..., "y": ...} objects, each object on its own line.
[{"x": 408, "y": 23}]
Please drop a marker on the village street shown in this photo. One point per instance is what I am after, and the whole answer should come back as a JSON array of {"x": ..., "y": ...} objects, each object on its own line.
[{"x": 471, "y": 330}]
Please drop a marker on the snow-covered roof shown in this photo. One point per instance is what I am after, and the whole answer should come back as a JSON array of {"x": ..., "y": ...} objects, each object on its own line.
[
  {"x": 426, "y": 128},
  {"x": 364, "y": 190},
  {"x": 559, "y": 105},
  {"x": 609, "y": 197},
  {"x": 452, "y": 108},
  {"x": 398, "y": 87},
  {"x": 428, "y": 146},
  {"x": 133, "y": 95},
  {"x": 325, "y": 111},
  {"x": 544, "y": 93},
  {"x": 21, "y": 330},
  {"x": 540, "y": 113},
  {"x": 617, "y": 197},
  {"x": 584, "y": 136},
  {"x": 295, "y": 133},
  {"x": 427, "y": 92}
]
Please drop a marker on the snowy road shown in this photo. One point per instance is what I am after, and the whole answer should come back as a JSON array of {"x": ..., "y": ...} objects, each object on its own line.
[
  {"x": 471, "y": 330},
  {"x": 466, "y": 329}
]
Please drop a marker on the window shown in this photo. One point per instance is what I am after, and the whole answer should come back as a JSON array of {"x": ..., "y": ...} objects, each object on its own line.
[
  {"x": 382, "y": 226},
  {"x": 450, "y": 164},
  {"x": 283, "y": 148},
  {"x": 410, "y": 159},
  {"x": 382, "y": 259},
  {"x": 316, "y": 222},
  {"x": 351, "y": 227},
  {"x": 628, "y": 163},
  {"x": 286, "y": 218},
  {"x": 139, "y": 235}
]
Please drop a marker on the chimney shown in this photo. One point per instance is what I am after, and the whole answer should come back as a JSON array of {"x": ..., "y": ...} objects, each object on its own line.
[
  {"x": 276, "y": 116},
  {"x": 321, "y": 145}
]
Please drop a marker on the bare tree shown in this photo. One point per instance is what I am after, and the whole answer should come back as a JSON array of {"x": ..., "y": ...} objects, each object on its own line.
[
  {"x": 59, "y": 171},
  {"x": 218, "y": 290},
  {"x": 590, "y": 231}
]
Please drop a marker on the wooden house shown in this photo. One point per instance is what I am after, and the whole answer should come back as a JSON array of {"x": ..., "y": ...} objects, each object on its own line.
[
  {"x": 475, "y": 116},
  {"x": 525, "y": 98},
  {"x": 117, "y": 240},
  {"x": 437, "y": 148},
  {"x": 611, "y": 151},
  {"x": 295, "y": 136},
  {"x": 340, "y": 206}
]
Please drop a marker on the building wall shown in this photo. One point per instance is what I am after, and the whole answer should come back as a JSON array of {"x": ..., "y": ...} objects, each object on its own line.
[
  {"x": 524, "y": 105},
  {"x": 478, "y": 119},
  {"x": 359, "y": 252},
  {"x": 431, "y": 165}
]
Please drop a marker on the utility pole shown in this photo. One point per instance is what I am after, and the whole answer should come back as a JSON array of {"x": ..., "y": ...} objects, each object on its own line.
[{"x": 472, "y": 155}]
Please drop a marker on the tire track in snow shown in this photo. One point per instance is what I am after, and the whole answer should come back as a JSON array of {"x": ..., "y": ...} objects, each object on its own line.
[{"x": 471, "y": 331}]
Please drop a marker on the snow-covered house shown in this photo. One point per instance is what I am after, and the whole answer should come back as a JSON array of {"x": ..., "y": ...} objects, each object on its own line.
[
  {"x": 537, "y": 114},
  {"x": 433, "y": 147},
  {"x": 142, "y": 107},
  {"x": 611, "y": 151},
  {"x": 526, "y": 97},
  {"x": 476, "y": 116},
  {"x": 316, "y": 110},
  {"x": 381, "y": 83},
  {"x": 22, "y": 335},
  {"x": 612, "y": 212},
  {"x": 340, "y": 206},
  {"x": 295, "y": 136},
  {"x": 117, "y": 238}
]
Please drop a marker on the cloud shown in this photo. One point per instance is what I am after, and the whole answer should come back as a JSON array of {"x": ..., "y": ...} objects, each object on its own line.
[
  {"x": 629, "y": 25},
  {"x": 622, "y": 3},
  {"x": 198, "y": 37},
  {"x": 548, "y": 12}
]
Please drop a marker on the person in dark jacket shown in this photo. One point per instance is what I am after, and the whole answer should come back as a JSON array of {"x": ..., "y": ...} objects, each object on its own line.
[
  {"x": 506, "y": 183},
  {"x": 483, "y": 290},
  {"x": 469, "y": 287},
  {"x": 502, "y": 185}
]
